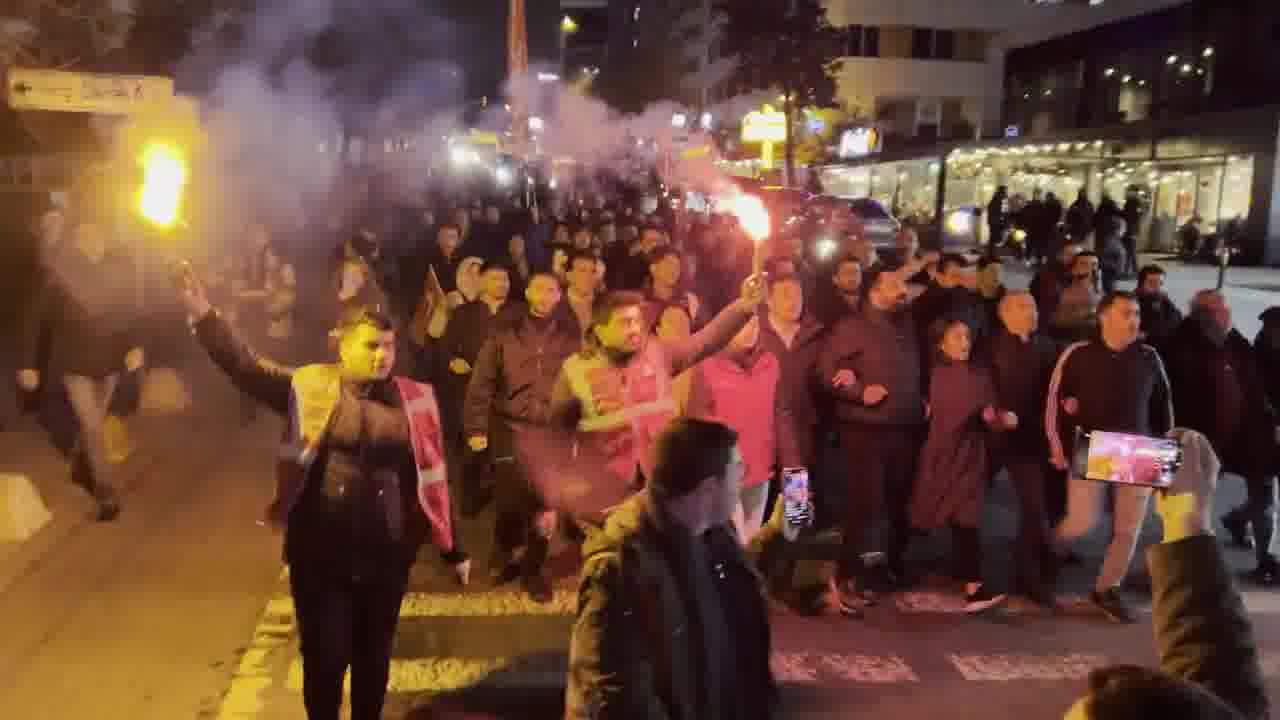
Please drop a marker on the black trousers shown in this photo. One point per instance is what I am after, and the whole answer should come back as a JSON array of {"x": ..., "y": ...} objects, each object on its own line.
[
  {"x": 517, "y": 504},
  {"x": 346, "y": 623},
  {"x": 1035, "y": 567},
  {"x": 1259, "y": 510},
  {"x": 966, "y": 553},
  {"x": 881, "y": 476}
]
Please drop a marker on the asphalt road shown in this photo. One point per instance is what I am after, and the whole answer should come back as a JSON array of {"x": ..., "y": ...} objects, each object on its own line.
[{"x": 179, "y": 610}]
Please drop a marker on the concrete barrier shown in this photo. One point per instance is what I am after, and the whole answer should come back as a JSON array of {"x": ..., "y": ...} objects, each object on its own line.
[{"x": 22, "y": 510}]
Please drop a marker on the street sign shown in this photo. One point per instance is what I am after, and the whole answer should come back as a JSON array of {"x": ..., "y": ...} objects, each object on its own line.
[{"x": 63, "y": 91}]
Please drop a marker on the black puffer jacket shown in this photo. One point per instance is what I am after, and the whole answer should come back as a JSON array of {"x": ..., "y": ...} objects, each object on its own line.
[{"x": 1022, "y": 371}]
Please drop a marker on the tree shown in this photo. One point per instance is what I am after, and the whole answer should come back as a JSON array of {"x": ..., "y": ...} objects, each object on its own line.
[{"x": 788, "y": 46}]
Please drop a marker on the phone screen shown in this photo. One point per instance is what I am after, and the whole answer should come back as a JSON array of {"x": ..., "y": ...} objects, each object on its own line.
[
  {"x": 1127, "y": 459},
  {"x": 795, "y": 495}
]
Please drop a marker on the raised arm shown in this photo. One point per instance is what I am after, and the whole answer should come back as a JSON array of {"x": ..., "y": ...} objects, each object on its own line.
[
  {"x": 267, "y": 381},
  {"x": 684, "y": 354}
]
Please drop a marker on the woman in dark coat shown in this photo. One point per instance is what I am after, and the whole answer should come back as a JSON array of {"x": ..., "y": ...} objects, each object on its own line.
[{"x": 954, "y": 468}]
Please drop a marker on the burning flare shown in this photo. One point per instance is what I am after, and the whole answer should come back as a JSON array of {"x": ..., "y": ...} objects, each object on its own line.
[
  {"x": 164, "y": 175},
  {"x": 752, "y": 215}
]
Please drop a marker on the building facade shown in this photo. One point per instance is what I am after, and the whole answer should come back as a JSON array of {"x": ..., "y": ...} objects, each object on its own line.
[{"x": 923, "y": 70}]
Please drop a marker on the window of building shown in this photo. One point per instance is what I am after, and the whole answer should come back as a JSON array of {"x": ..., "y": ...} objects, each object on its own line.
[
  {"x": 922, "y": 43},
  {"x": 871, "y": 42},
  {"x": 944, "y": 45},
  {"x": 861, "y": 41}
]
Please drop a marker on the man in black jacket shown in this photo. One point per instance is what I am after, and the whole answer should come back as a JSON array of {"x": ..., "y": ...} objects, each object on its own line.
[
  {"x": 507, "y": 412},
  {"x": 1114, "y": 384},
  {"x": 1160, "y": 316},
  {"x": 1022, "y": 362},
  {"x": 368, "y": 454},
  {"x": 1218, "y": 390},
  {"x": 671, "y": 623},
  {"x": 1209, "y": 664},
  {"x": 86, "y": 311},
  {"x": 871, "y": 366}
]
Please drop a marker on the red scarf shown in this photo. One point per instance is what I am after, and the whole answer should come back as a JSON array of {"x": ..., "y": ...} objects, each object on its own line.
[{"x": 316, "y": 389}]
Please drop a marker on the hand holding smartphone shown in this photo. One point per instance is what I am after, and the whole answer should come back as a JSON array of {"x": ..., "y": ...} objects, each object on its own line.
[{"x": 1126, "y": 459}]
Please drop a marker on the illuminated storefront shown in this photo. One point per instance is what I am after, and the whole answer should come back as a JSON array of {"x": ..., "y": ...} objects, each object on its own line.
[{"x": 1218, "y": 168}]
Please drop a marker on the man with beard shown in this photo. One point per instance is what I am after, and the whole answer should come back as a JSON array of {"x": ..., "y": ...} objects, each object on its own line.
[
  {"x": 1218, "y": 390},
  {"x": 616, "y": 393},
  {"x": 1160, "y": 317},
  {"x": 871, "y": 365},
  {"x": 844, "y": 294},
  {"x": 507, "y": 414},
  {"x": 362, "y": 482}
]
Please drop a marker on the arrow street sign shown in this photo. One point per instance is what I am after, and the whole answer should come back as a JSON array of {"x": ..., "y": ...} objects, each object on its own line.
[{"x": 62, "y": 91}]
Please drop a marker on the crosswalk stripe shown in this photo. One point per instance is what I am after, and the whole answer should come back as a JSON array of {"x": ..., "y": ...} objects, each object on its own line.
[
  {"x": 445, "y": 674},
  {"x": 1010, "y": 667},
  {"x": 563, "y": 602}
]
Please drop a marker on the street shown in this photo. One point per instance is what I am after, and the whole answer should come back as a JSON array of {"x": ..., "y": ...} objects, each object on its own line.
[{"x": 180, "y": 608}]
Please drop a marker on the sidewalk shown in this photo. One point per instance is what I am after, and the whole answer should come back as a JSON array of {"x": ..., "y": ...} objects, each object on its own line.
[{"x": 27, "y": 449}]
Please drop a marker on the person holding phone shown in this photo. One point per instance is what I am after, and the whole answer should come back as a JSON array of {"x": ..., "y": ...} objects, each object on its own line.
[{"x": 1114, "y": 384}]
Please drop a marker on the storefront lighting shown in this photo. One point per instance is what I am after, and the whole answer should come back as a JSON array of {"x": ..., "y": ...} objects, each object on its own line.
[
  {"x": 1171, "y": 60},
  {"x": 1064, "y": 147},
  {"x": 1186, "y": 68},
  {"x": 1048, "y": 93},
  {"x": 1142, "y": 83},
  {"x": 1097, "y": 143},
  {"x": 1208, "y": 52},
  {"x": 1200, "y": 71},
  {"x": 1109, "y": 72},
  {"x": 1126, "y": 78}
]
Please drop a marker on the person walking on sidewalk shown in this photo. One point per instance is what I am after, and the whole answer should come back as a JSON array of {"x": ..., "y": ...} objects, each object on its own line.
[
  {"x": 362, "y": 482},
  {"x": 87, "y": 309},
  {"x": 1113, "y": 384}
]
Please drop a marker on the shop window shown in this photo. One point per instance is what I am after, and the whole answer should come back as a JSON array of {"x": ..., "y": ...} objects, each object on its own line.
[
  {"x": 861, "y": 41},
  {"x": 944, "y": 45}
]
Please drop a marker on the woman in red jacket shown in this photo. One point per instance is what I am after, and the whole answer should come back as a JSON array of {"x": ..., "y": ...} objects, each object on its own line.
[{"x": 739, "y": 387}]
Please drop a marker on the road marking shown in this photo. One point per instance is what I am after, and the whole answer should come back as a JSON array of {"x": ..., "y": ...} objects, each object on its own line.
[
  {"x": 812, "y": 668},
  {"x": 254, "y": 675},
  {"x": 1007, "y": 668},
  {"x": 446, "y": 674},
  {"x": 504, "y": 603}
]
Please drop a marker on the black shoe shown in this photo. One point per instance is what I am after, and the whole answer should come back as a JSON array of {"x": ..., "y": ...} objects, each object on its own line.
[
  {"x": 1266, "y": 575},
  {"x": 537, "y": 587},
  {"x": 982, "y": 599},
  {"x": 1045, "y": 599},
  {"x": 1238, "y": 528},
  {"x": 845, "y": 597},
  {"x": 1114, "y": 606},
  {"x": 507, "y": 573}
]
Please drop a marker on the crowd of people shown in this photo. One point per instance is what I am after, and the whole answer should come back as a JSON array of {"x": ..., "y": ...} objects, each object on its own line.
[{"x": 632, "y": 382}]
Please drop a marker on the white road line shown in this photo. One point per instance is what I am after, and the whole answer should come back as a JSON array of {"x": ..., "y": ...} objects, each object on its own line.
[
  {"x": 479, "y": 604},
  {"x": 1010, "y": 667}
]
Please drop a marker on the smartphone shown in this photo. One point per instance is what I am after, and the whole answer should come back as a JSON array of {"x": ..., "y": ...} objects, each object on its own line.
[
  {"x": 797, "y": 510},
  {"x": 1126, "y": 459}
]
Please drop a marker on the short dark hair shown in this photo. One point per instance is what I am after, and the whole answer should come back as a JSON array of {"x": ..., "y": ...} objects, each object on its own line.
[
  {"x": 1114, "y": 297},
  {"x": 1147, "y": 271},
  {"x": 938, "y": 330},
  {"x": 952, "y": 259},
  {"x": 354, "y": 316},
  {"x": 612, "y": 302},
  {"x": 1124, "y": 692},
  {"x": 576, "y": 255},
  {"x": 448, "y": 226},
  {"x": 1084, "y": 254},
  {"x": 687, "y": 452},
  {"x": 489, "y": 265}
]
